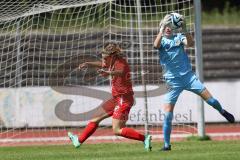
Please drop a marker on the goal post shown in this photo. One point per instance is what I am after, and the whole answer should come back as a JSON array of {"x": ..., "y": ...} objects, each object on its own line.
[
  {"x": 199, "y": 65},
  {"x": 140, "y": 34},
  {"x": 42, "y": 42}
]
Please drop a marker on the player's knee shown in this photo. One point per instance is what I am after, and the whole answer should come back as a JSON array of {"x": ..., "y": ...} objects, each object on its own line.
[
  {"x": 116, "y": 130},
  {"x": 97, "y": 121}
]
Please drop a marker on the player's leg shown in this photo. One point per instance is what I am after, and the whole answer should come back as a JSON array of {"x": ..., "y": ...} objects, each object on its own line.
[
  {"x": 120, "y": 117},
  {"x": 91, "y": 127},
  {"x": 170, "y": 99},
  {"x": 108, "y": 108},
  {"x": 197, "y": 87},
  {"x": 88, "y": 131},
  {"x": 120, "y": 129},
  {"x": 167, "y": 126},
  {"x": 206, "y": 95}
]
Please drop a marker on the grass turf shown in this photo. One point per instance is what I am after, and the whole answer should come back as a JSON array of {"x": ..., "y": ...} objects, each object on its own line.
[{"x": 187, "y": 150}]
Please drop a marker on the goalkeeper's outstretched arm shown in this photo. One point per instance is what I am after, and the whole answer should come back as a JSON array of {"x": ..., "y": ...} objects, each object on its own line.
[
  {"x": 157, "y": 42},
  {"x": 189, "y": 42},
  {"x": 164, "y": 22}
]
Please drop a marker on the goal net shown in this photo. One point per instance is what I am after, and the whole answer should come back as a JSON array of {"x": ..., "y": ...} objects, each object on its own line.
[{"x": 43, "y": 95}]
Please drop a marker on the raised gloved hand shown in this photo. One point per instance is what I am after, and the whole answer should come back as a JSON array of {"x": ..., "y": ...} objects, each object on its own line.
[{"x": 164, "y": 22}]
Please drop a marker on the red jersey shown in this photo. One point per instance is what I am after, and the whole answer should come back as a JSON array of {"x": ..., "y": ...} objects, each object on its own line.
[{"x": 121, "y": 84}]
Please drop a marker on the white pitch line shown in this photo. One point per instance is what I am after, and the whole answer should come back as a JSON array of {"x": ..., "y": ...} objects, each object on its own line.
[{"x": 55, "y": 139}]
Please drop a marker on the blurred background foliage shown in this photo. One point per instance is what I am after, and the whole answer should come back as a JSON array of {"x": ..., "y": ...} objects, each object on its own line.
[
  {"x": 221, "y": 13},
  {"x": 214, "y": 13}
]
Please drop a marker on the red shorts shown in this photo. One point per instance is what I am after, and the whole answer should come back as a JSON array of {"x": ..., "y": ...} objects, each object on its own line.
[{"x": 119, "y": 106}]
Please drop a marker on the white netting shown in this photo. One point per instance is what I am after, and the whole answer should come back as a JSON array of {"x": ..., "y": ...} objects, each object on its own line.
[{"x": 42, "y": 42}]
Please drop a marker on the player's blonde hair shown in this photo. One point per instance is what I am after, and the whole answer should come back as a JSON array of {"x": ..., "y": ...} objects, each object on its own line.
[{"x": 111, "y": 48}]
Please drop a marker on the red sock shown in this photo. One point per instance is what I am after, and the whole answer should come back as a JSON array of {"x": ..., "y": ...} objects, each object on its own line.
[
  {"x": 88, "y": 131},
  {"x": 132, "y": 134}
]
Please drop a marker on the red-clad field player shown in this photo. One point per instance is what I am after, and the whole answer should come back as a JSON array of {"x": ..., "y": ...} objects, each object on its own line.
[{"x": 122, "y": 100}]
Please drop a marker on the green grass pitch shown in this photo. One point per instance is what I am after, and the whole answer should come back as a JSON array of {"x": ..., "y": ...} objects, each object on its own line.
[{"x": 186, "y": 150}]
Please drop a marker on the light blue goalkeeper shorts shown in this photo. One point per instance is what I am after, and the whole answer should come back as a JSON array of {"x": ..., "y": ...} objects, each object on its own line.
[{"x": 176, "y": 85}]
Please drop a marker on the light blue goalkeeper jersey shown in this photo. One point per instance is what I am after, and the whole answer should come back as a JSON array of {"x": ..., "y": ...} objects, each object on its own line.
[{"x": 173, "y": 58}]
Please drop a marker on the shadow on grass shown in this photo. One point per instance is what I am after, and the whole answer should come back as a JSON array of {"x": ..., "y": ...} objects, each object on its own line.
[{"x": 198, "y": 138}]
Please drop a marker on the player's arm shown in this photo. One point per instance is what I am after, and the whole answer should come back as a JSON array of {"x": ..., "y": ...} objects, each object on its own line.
[
  {"x": 164, "y": 22},
  {"x": 157, "y": 41},
  {"x": 119, "y": 70},
  {"x": 90, "y": 64},
  {"x": 111, "y": 73},
  {"x": 188, "y": 41}
]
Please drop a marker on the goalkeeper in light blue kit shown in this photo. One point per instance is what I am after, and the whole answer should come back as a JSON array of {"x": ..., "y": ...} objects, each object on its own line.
[{"x": 178, "y": 74}]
